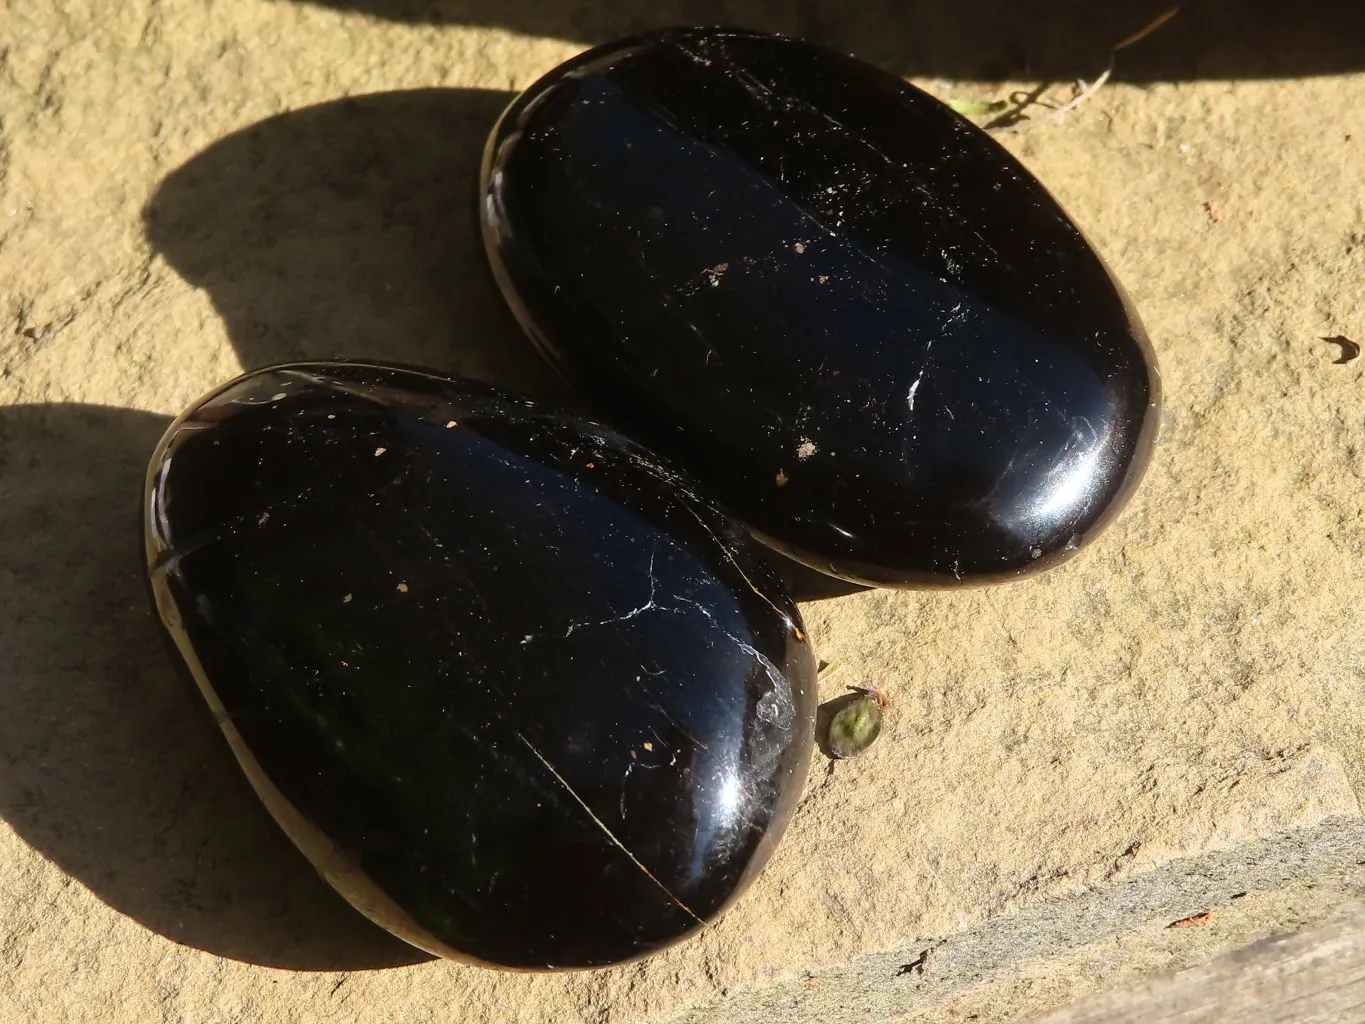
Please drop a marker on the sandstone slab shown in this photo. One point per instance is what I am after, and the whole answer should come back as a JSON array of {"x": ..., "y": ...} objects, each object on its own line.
[{"x": 1070, "y": 763}]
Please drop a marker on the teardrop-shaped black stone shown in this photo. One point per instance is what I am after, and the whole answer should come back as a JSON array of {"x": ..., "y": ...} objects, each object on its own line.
[
  {"x": 520, "y": 692},
  {"x": 846, "y": 309}
]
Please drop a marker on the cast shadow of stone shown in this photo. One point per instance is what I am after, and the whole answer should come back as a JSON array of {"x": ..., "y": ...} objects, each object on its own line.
[
  {"x": 349, "y": 229},
  {"x": 987, "y": 40},
  {"x": 109, "y": 766}
]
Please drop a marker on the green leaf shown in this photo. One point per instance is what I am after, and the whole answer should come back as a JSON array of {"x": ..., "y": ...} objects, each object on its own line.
[
  {"x": 855, "y": 727},
  {"x": 970, "y": 109}
]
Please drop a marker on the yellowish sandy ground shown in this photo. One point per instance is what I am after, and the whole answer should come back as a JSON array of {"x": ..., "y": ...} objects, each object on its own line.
[{"x": 1073, "y": 762}]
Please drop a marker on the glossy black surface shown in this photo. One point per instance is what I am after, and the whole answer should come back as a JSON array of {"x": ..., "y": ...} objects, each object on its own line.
[
  {"x": 846, "y": 309},
  {"x": 518, "y": 691}
]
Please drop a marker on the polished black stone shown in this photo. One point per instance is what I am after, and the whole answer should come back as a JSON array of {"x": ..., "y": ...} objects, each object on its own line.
[
  {"x": 846, "y": 309},
  {"x": 521, "y": 693}
]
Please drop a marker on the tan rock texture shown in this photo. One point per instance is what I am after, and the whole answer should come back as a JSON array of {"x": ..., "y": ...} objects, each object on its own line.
[{"x": 1169, "y": 725}]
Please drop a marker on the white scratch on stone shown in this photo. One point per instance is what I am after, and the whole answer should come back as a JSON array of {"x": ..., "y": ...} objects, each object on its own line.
[
  {"x": 649, "y": 604},
  {"x": 602, "y": 825}
]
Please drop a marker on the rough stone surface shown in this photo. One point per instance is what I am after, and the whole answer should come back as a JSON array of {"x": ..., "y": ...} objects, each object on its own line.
[{"x": 1070, "y": 763}]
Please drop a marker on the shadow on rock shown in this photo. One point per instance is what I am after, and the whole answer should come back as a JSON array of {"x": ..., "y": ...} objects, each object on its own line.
[
  {"x": 112, "y": 768},
  {"x": 349, "y": 229},
  {"x": 987, "y": 40}
]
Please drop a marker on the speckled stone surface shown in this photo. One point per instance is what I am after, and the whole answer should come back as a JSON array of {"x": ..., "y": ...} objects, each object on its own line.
[
  {"x": 521, "y": 693},
  {"x": 846, "y": 309}
]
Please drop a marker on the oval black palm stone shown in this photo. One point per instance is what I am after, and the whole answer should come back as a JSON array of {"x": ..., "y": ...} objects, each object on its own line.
[
  {"x": 846, "y": 309},
  {"x": 520, "y": 692}
]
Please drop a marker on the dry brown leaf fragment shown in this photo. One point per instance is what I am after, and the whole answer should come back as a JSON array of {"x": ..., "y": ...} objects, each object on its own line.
[{"x": 1199, "y": 920}]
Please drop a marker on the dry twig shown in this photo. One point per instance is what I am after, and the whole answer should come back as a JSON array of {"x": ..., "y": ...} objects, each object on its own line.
[{"x": 1088, "y": 91}]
